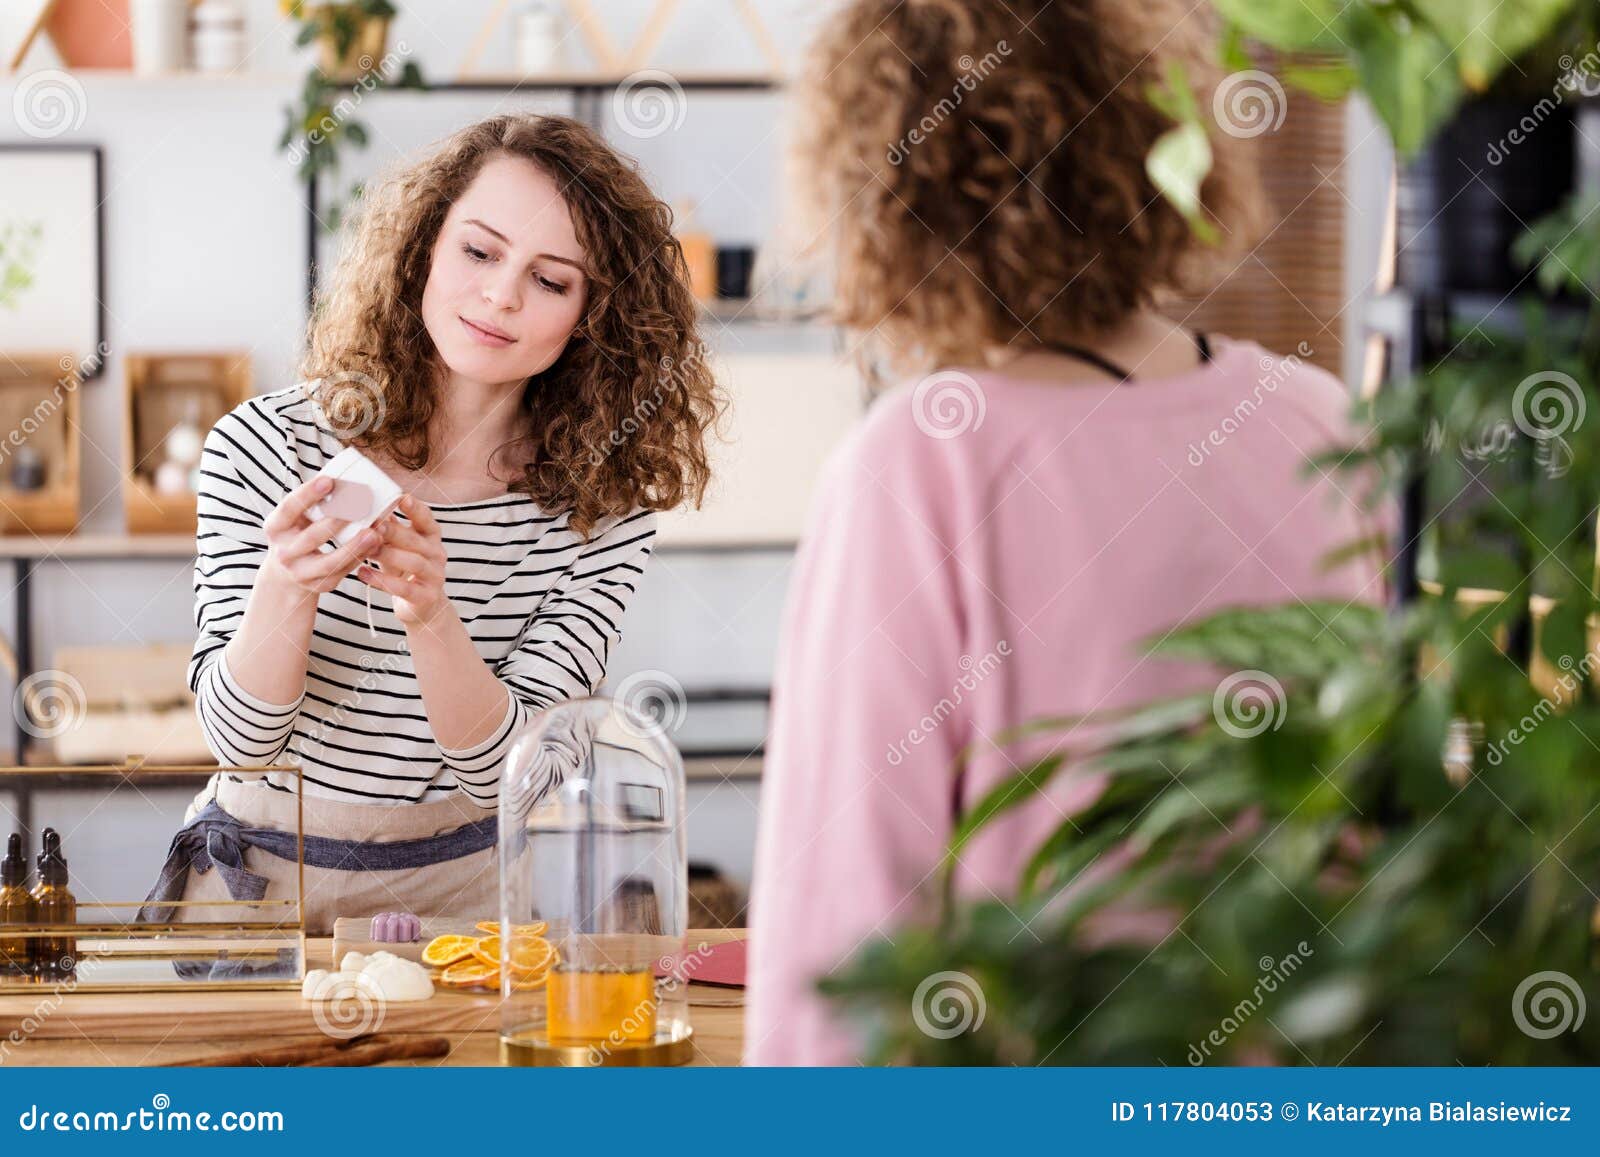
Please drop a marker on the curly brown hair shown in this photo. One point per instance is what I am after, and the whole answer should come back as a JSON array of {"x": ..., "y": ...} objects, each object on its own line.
[
  {"x": 980, "y": 165},
  {"x": 619, "y": 420}
]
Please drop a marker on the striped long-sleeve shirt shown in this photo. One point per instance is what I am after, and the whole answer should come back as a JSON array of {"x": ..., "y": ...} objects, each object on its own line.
[{"x": 543, "y": 606}]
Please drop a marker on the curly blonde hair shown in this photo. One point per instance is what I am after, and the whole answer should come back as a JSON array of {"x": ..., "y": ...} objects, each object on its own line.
[
  {"x": 981, "y": 168},
  {"x": 619, "y": 420}
]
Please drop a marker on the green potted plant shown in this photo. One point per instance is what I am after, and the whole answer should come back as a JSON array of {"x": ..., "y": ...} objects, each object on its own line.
[
  {"x": 347, "y": 33},
  {"x": 322, "y": 121}
]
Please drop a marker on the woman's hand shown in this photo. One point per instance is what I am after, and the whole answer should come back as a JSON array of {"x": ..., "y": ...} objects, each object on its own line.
[
  {"x": 413, "y": 559},
  {"x": 294, "y": 559}
]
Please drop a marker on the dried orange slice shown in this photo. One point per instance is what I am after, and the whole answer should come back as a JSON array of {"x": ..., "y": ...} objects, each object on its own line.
[
  {"x": 487, "y": 949},
  {"x": 525, "y": 980},
  {"x": 444, "y": 950},
  {"x": 470, "y": 973},
  {"x": 530, "y": 954},
  {"x": 537, "y": 928}
]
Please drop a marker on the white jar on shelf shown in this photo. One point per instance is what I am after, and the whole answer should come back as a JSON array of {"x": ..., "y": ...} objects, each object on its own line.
[
  {"x": 158, "y": 28},
  {"x": 539, "y": 40},
  {"x": 217, "y": 36}
]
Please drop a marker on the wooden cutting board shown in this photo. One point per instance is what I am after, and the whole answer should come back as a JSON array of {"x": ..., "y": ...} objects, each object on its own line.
[
  {"x": 220, "y": 1015},
  {"x": 173, "y": 1016},
  {"x": 180, "y": 1016}
]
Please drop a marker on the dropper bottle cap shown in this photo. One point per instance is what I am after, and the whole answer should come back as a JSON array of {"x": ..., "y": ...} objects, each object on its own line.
[
  {"x": 13, "y": 869},
  {"x": 52, "y": 867}
]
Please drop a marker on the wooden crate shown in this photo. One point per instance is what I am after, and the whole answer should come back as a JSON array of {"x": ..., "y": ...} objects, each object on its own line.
[
  {"x": 110, "y": 700},
  {"x": 39, "y": 408},
  {"x": 157, "y": 388}
]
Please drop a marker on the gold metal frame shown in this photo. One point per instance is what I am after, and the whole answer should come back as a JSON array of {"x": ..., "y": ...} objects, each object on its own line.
[
  {"x": 543, "y": 1054},
  {"x": 131, "y": 768}
]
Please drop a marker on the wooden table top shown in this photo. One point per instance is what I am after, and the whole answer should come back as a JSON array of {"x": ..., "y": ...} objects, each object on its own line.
[{"x": 121, "y": 1029}]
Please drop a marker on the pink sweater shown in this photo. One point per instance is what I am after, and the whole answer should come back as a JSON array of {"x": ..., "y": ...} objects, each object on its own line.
[{"x": 952, "y": 586}]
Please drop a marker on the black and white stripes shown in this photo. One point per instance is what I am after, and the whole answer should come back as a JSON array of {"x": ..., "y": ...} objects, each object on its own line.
[{"x": 543, "y": 607}]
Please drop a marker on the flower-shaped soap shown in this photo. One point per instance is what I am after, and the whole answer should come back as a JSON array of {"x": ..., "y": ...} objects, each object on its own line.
[{"x": 396, "y": 928}]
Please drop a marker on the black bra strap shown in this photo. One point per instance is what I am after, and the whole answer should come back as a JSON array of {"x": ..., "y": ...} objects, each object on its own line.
[
  {"x": 1201, "y": 342},
  {"x": 1094, "y": 359}
]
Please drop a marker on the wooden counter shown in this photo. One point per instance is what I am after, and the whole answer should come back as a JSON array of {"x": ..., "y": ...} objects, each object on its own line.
[{"x": 85, "y": 1028}]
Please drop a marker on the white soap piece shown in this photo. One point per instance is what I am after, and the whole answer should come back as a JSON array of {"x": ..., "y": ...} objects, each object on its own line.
[
  {"x": 316, "y": 980},
  {"x": 355, "y": 466},
  {"x": 395, "y": 980},
  {"x": 353, "y": 962},
  {"x": 341, "y": 986}
]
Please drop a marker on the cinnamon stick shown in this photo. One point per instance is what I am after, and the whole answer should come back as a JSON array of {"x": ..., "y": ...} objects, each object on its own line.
[{"x": 362, "y": 1050}]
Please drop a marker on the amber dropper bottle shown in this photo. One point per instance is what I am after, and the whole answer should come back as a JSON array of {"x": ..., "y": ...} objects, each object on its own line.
[
  {"x": 55, "y": 957},
  {"x": 16, "y": 907}
]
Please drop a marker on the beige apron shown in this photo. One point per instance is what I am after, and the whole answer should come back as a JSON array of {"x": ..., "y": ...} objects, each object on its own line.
[{"x": 465, "y": 886}]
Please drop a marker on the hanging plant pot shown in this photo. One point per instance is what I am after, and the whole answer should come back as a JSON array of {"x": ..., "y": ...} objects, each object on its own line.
[
  {"x": 1497, "y": 166},
  {"x": 350, "y": 42}
]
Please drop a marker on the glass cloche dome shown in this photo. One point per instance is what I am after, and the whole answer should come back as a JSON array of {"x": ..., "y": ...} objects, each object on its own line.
[{"x": 592, "y": 846}]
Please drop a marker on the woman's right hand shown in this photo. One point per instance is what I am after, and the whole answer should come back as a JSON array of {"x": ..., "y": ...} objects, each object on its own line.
[{"x": 294, "y": 559}]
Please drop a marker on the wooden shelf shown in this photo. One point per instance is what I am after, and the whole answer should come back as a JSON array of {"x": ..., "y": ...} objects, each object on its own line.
[
  {"x": 108, "y": 546},
  {"x": 743, "y": 311},
  {"x": 487, "y": 82}
]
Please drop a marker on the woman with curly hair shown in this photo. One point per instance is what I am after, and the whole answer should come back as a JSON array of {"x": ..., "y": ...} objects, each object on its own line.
[
  {"x": 510, "y": 336},
  {"x": 1065, "y": 471}
]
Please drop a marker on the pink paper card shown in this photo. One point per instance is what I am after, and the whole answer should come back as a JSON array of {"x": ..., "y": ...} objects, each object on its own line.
[{"x": 348, "y": 500}]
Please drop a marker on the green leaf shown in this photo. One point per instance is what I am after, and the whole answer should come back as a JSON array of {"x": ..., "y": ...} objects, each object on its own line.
[
  {"x": 1004, "y": 796},
  {"x": 1177, "y": 165},
  {"x": 1330, "y": 81},
  {"x": 1405, "y": 72},
  {"x": 1489, "y": 34},
  {"x": 1293, "y": 24},
  {"x": 1563, "y": 634}
]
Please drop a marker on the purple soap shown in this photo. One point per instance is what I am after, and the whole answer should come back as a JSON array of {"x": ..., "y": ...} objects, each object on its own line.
[{"x": 396, "y": 928}]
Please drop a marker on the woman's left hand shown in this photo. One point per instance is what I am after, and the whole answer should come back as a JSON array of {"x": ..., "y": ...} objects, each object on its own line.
[{"x": 413, "y": 558}]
